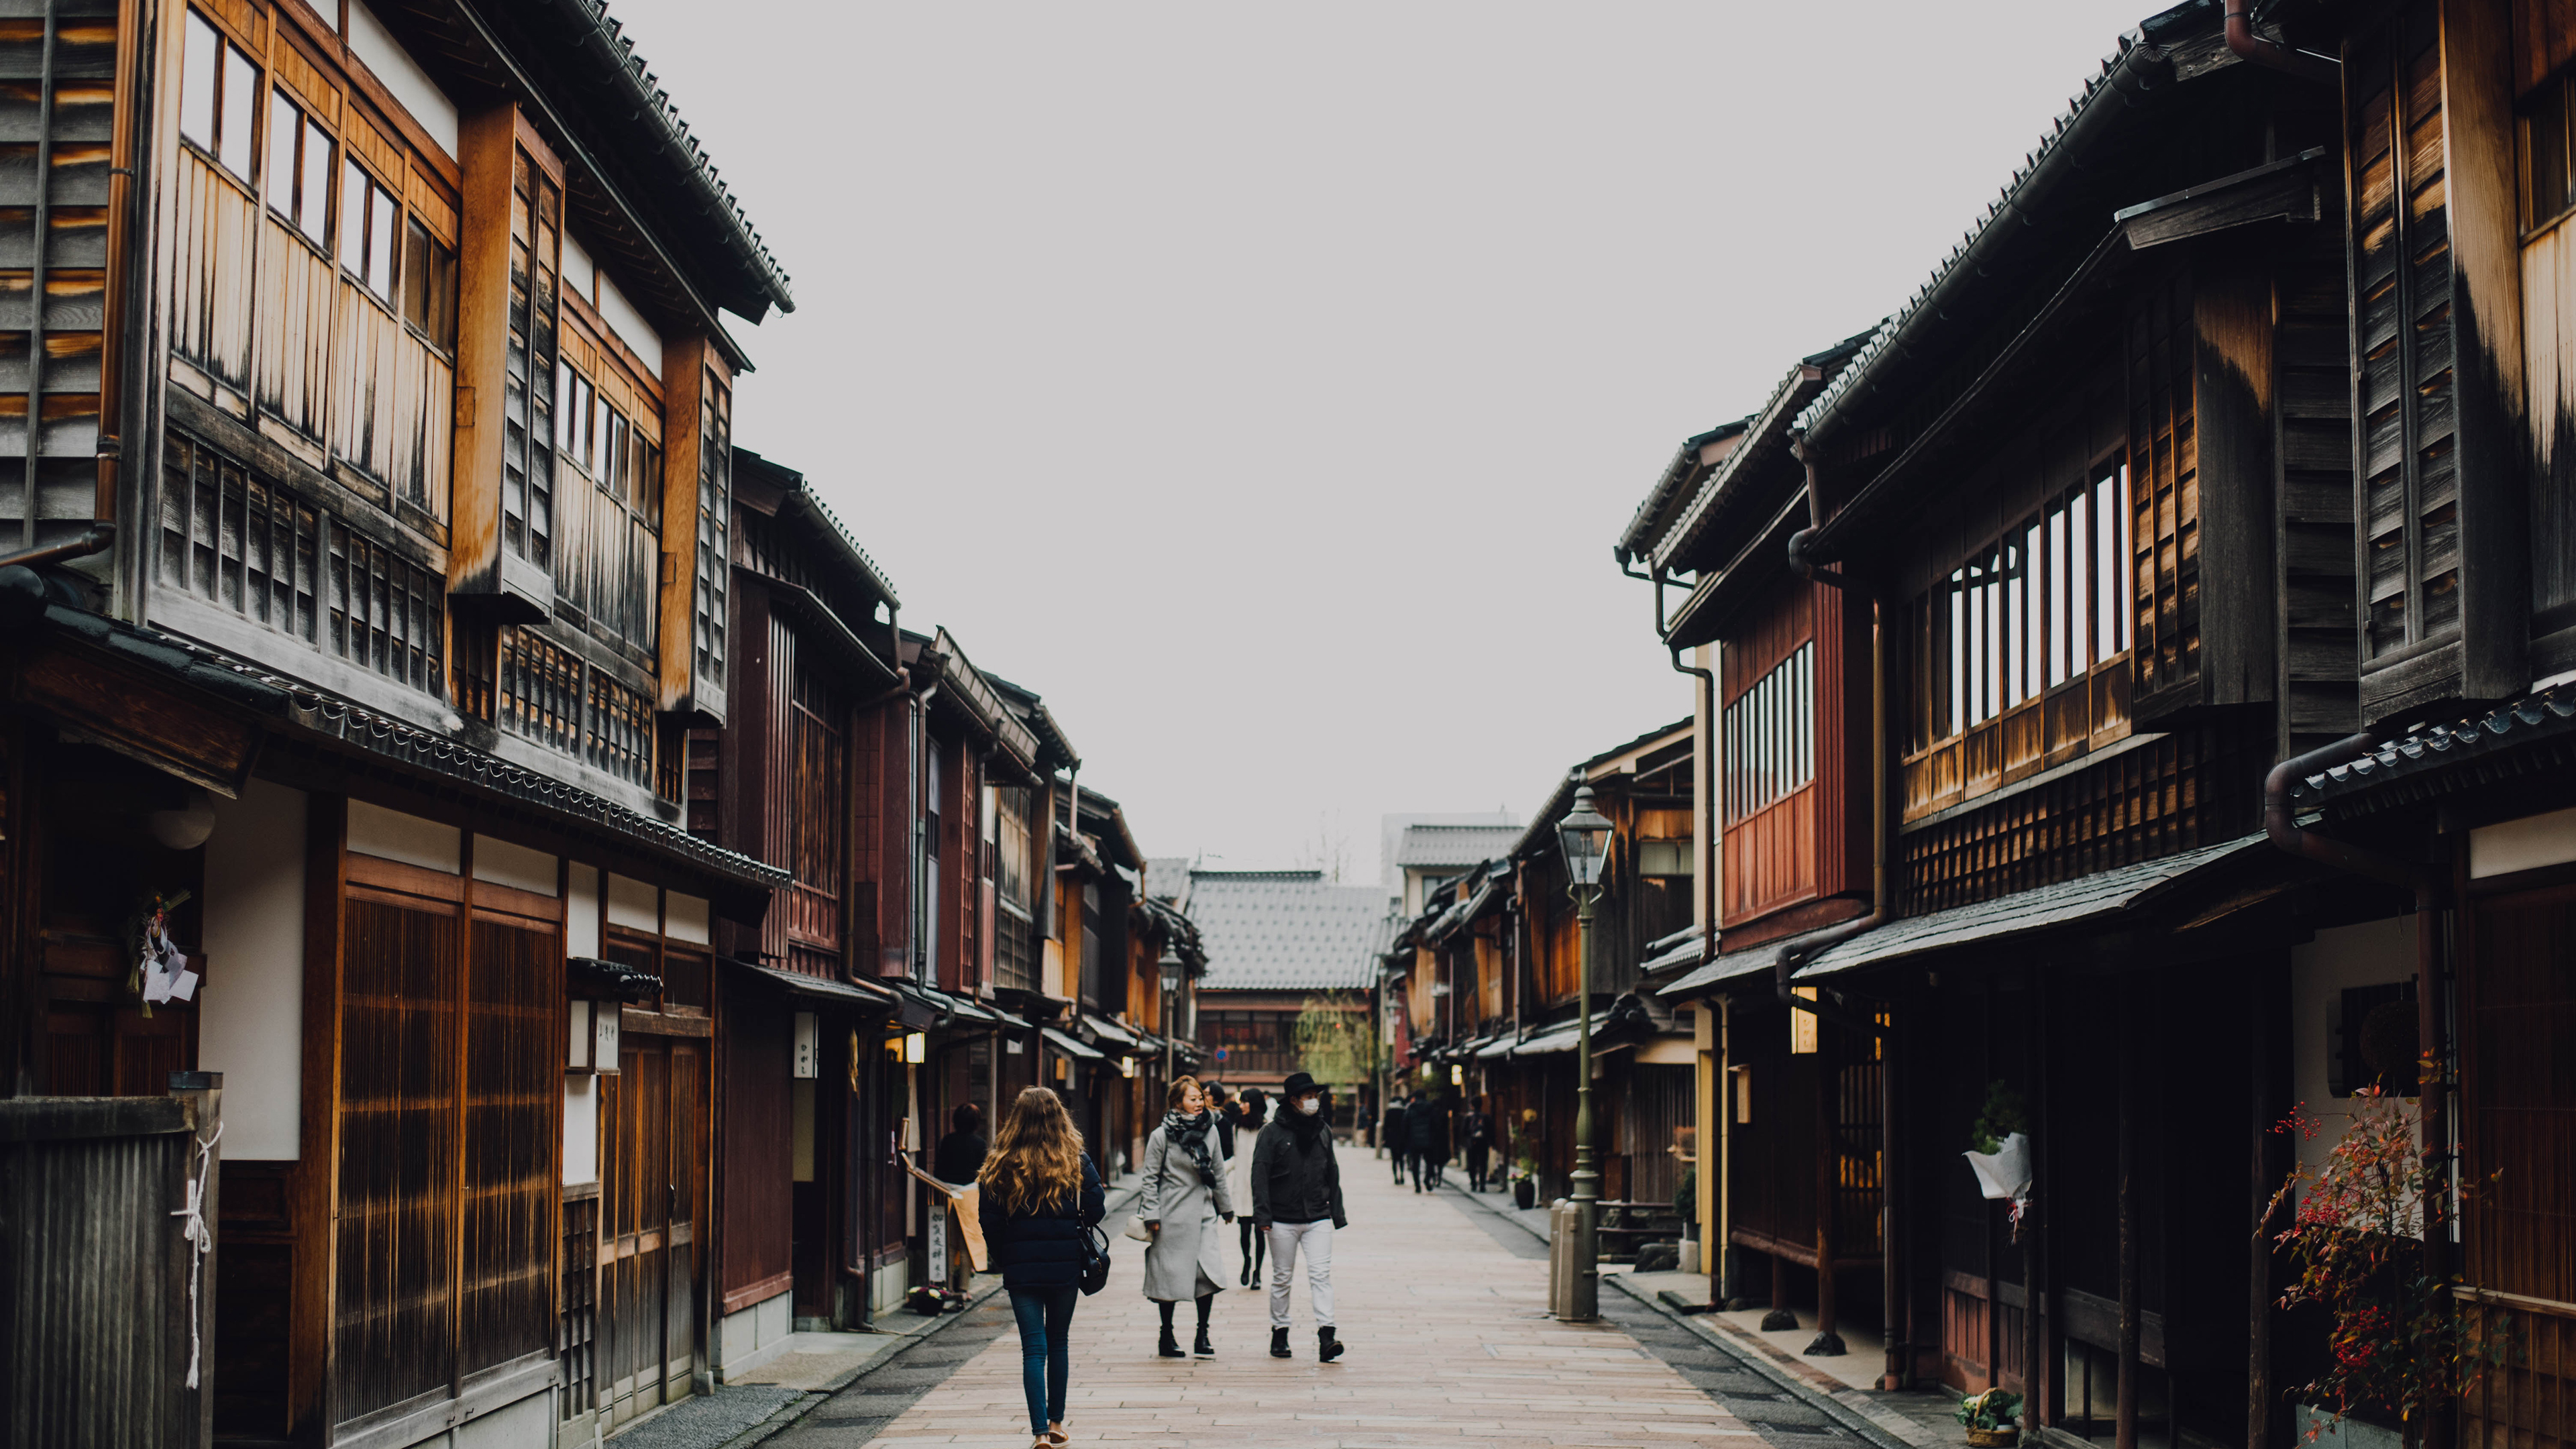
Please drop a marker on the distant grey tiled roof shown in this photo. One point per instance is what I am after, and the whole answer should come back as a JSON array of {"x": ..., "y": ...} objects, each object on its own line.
[
  {"x": 1166, "y": 877},
  {"x": 1454, "y": 845},
  {"x": 1286, "y": 930}
]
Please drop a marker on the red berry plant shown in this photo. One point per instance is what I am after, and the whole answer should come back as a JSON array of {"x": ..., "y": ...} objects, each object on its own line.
[{"x": 2357, "y": 1219}]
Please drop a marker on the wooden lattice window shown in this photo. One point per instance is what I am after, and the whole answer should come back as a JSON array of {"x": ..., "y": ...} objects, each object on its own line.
[
  {"x": 619, "y": 733},
  {"x": 514, "y": 1076},
  {"x": 230, "y": 537},
  {"x": 528, "y": 455},
  {"x": 2402, "y": 273},
  {"x": 2164, "y": 490},
  {"x": 715, "y": 513},
  {"x": 540, "y": 691},
  {"x": 2019, "y": 659},
  {"x": 393, "y": 1309}
]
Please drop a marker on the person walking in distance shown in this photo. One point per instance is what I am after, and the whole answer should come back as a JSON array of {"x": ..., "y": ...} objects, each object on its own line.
[
  {"x": 1238, "y": 1180},
  {"x": 1185, "y": 1195},
  {"x": 1406, "y": 1159},
  {"x": 958, "y": 1158},
  {"x": 1429, "y": 1129},
  {"x": 1390, "y": 1135},
  {"x": 1039, "y": 1196},
  {"x": 1297, "y": 1203},
  {"x": 1478, "y": 1129}
]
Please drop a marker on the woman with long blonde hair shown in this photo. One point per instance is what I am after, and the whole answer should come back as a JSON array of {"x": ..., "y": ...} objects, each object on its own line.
[{"x": 1039, "y": 1196}]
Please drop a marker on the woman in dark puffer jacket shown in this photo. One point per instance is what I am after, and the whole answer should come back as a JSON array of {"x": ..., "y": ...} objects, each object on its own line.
[{"x": 1039, "y": 1193}]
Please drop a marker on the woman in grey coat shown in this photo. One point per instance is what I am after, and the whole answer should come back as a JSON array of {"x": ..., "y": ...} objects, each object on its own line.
[{"x": 1185, "y": 1198}]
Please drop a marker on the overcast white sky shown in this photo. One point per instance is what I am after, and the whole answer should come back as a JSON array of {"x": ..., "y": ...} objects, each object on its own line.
[{"x": 1265, "y": 384}]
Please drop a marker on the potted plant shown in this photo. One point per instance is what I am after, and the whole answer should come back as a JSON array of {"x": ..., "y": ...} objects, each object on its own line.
[
  {"x": 1993, "y": 1419},
  {"x": 1525, "y": 1169},
  {"x": 1999, "y": 1145},
  {"x": 2399, "y": 1347}
]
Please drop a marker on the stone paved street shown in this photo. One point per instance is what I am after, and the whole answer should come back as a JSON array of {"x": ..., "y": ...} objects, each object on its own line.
[{"x": 1445, "y": 1311}]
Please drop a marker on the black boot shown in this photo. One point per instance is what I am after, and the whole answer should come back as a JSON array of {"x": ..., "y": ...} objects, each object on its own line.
[
  {"x": 1171, "y": 1346},
  {"x": 1279, "y": 1343},
  {"x": 1327, "y": 1347},
  {"x": 1203, "y": 1348}
]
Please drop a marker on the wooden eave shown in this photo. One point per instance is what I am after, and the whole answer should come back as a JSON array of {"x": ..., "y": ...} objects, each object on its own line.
[
  {"x": 1760, "y": 564},
  {"x": 478, "y": 69},
  {"x": 1725, "y": 491},
  {"x": 2076, "y": 314}
]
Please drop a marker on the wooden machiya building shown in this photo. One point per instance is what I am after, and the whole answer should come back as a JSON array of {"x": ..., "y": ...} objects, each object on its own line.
[
  {"x": 371, "y": 483},
  {"x": 2225, "y": 435},
  {"x": 799, "y": 776},
  {"x": 1487, "y": 983}
]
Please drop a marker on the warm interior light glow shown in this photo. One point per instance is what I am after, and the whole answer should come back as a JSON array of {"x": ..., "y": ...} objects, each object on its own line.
[{"x": 916, "y": 1048}]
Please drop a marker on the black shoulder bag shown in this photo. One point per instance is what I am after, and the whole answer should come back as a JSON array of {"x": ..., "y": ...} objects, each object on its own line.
[{"x": 1095, "y": 1260}]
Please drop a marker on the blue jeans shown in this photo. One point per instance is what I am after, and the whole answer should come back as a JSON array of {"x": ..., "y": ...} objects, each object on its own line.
[{"x": 1046, "y": 1320}]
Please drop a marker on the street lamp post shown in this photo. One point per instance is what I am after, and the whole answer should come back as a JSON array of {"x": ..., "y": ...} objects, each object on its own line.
[
  {"x": 1584, "y": 834},
  {"x": 1171, "y": 965}
]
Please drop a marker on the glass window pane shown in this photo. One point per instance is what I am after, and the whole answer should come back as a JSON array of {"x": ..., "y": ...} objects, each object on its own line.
[
  {"x": 415, "y": 275},
  {"x": 197, "y": 82},
  {"x": 2016, "y": 628},
  {"x": 2058, "y": 647},
  {"x": 380, "y": 244},
  {"x": 2126, "y": 555},
  {"x": 2079, "y": 584},
  {"x": 317, "y": 183},
  {"x": 2107, "y": 572},
  {"x": 284, "y": 120},
  {"x": 234, "y": 116},
  {"x": 2035, "y": 581},
  {"x": 353, "y": 219},
  {"x": 1958, "y": 665}
]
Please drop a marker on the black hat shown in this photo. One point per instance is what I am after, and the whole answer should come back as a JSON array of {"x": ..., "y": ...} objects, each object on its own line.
[{"x": 1297, "y": 1085}]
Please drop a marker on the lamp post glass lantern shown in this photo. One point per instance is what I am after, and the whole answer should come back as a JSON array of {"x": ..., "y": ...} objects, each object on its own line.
[{"x": 1584, "y": 836}]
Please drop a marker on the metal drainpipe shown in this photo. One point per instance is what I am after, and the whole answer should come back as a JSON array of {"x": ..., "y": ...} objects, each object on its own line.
[
  {"x": 2280, "y": 822},
  {"x": 2249, "y": 46},
  {"x": 1784, "y": 965},
  {"x": 1706, "y": 771}
]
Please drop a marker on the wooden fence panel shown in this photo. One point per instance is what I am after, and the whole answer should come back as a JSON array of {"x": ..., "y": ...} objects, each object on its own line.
[{"x": 94, "y": 1273}]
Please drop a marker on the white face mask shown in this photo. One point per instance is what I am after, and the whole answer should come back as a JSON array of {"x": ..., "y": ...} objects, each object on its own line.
[{"x": 1310, "y": 1105}]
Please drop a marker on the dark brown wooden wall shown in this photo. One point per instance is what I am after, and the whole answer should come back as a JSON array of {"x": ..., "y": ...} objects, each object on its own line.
[{"x": 756, "y": 1155}]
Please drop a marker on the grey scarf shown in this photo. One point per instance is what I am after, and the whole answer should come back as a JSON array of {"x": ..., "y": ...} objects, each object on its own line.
[{"x": 1192, "y": 1133}]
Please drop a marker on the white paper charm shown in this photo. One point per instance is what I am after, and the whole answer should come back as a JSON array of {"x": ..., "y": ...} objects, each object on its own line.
[{"x": 2005, "y": 1172}]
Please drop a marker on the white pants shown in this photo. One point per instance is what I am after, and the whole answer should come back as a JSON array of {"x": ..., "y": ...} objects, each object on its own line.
[{"x": 1315, "y": 1239}]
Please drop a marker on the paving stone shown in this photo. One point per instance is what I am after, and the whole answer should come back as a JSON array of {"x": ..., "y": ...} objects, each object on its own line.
[{"x": 1449, "y": 1341}]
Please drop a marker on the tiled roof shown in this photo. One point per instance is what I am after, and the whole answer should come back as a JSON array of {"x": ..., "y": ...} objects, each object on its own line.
[
  {"x": 2087, "y": 898},
  {"x": 1167, "y": 877},
  {"x": 1454, "y": 845},
  {"x": 1286, "y": 930},
  {"x": 2114, "y": 85},
  {"x": 2430, "y": 761}
]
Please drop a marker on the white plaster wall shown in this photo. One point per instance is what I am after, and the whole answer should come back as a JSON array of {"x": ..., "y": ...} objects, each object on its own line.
[
  {"x": 250, "y": 1025},
  {"x": 515, "y": 866},
  {"x": 633, "y": 904},
  {"x": 581, "y": 1129},
  {"x": 392, "y": 835},
  {"x": 685, "y": 918},
  {"x": 2373, "y": 953},
  {"x": 581, "y": 911},
  {"x": 402, "y": 75}
]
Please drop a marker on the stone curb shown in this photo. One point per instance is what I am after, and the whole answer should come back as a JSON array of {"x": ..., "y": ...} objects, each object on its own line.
[
  {"x": 1859, "y": 1419},
  {"x": 1118, "y": 1200}
]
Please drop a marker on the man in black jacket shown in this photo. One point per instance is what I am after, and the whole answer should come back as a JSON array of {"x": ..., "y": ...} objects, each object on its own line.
[{"x": 1297, "y": 1201}]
